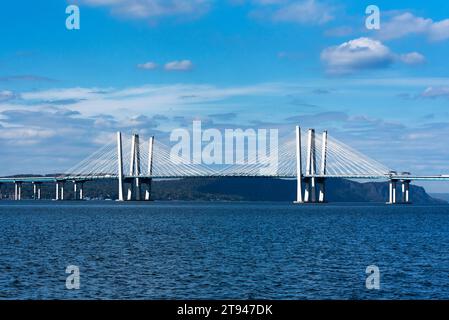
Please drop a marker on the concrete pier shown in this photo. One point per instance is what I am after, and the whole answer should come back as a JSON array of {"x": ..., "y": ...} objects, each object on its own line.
[
  {"x": 59, "y": 190},
  {"x": 81, "y": 191},
  {"x": 406, "y": 191},
  {"x": 78, "y": 192},
  {"x": 392, "y": 191},
  {"x": 37, "y": 190},
  {"x": 17, "y": 190}
]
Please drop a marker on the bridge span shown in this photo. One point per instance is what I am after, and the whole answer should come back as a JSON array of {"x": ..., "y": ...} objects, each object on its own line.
[{"x": 310, "y": 164}]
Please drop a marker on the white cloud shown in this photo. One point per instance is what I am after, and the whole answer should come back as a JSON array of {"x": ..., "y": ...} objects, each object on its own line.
[
  {"x": 406, "y": 24},
  {"x": 147, "y": 65},
  {"x": 304, "y": 12},
  {"x": 362, "y": 54},
  {"x": 436, "y": 92},
  {"x": 182, "y": 65},
  {"x": 6, "y": 95},
  {"x": 147, "y": 99},
  {"x": 412, "y": 58},
  {"x": 311, "y": 12},
  {"x": 64, "y": 94},
  {"x": 142, "y": 9}
]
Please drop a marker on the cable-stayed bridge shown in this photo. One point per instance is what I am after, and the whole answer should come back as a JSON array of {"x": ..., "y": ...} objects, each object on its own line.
[{"x": 308, "y": 157}]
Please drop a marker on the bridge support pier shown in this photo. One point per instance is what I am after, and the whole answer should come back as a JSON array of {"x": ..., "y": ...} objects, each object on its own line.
[
  {"x": 75, "y": 190},
  {"x": 406, "y": 191},
  {"x": 78, "y": 191},
  {"x": 37, "y": 190},
  {"x": 17, "y": 190},
  {"x": 321, "y": 190},
  {"x": 81, "y": 194},
  {"x": 59, "y": 190},
  {"x": 392, "y": 191},
  {"x": 146, "y": 184}
]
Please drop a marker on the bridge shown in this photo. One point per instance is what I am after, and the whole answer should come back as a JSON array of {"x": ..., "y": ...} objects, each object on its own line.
[{"x": 320, "y": 158}]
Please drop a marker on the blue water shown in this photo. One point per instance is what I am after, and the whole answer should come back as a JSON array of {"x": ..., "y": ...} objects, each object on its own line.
[{"x": 222, "y": 250}]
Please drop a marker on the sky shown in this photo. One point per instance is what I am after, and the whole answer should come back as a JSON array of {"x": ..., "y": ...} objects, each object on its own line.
[{"x": 149, "y": 66}]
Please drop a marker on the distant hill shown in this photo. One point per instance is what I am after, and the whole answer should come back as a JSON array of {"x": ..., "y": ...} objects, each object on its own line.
[
  {"x": 267, "y": 189},
  {"x": 238, "y": 189}
]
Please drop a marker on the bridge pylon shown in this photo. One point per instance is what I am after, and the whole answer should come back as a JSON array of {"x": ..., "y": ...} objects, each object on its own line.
[
  {"x": 147, "y": 181},
  {"x": 120, "y": 166},
  {"x": 311, "y": 179},
  {"x": 136, "y": 182},
  {"x": 299, "y": 176}
]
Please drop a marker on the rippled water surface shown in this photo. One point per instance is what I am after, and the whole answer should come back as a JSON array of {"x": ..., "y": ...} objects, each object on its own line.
[{"x": 220, "y": 250}]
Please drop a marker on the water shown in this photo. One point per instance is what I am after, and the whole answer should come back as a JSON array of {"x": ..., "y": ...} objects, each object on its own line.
[{"x": 222, "y": 250}]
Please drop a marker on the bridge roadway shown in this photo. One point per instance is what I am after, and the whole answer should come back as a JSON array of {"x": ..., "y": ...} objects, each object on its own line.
[{"x": 49, "y": 179}]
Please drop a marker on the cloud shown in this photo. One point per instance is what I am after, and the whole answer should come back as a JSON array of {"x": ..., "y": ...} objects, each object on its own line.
[
  {"x": 27, "y": 77},
  {"x": 304, "y": 12},
  {"x": 224, "y": 116},
  {"x": 363, "y": 54},
  {"x": 406, "y": 24},
  {"x": 307, "y": 12},
  {"x": 152, "y": 9},
  {"x": 322, "y": 117},
  {"x": 182, "y": 65},
  {"x": 436, "y": 92},
  {"x": 147, "y": 65},
  {"x": 6, "y": 95},
  {"x": 412, "y": 58}
]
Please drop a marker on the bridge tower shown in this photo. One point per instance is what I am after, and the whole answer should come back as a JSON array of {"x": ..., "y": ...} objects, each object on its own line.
[
  {"x": 310, "y": 186},
  {"x": 147, "y": 181},
  {"x": 321, "y": 180},
  {"x": 120, "y": 166},
  {"x": 134, "y": 170},
  {"x": 299, "y": 177},
  {"x": 310, "y": 179}
]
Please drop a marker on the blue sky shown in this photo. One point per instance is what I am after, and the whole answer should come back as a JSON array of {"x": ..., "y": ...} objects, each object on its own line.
[{"x": 150, "y": 65}]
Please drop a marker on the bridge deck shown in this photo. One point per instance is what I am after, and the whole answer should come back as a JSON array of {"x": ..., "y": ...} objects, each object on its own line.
[{"x": 47, "y": 179}]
